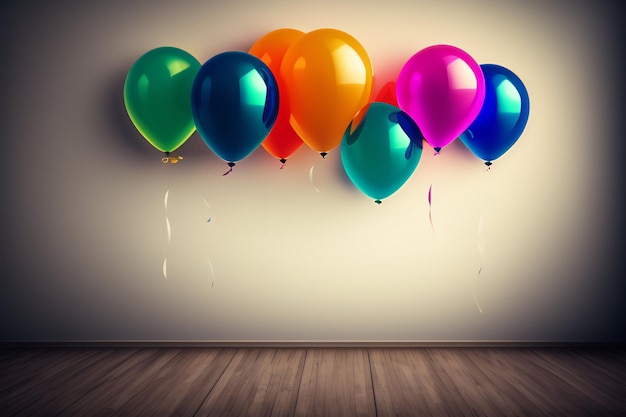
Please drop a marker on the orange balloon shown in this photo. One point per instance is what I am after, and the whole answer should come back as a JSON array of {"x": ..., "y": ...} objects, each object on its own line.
[
  {"x": 282, "y": 141},
  {"x": 329, "y": 78}
]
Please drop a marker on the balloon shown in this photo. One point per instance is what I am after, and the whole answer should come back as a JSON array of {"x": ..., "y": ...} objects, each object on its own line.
[
  {"x": 234, "y": 102},
  {"x": 502, "y": 118},
  {"x": 328, "y": 77},
  {"x": 381, "y": 149},
  {"x": 282, "y": 141},
  {"x": 442, "y": 88},
  {"x": 156, "y": 95},
  {"x": 387, "y": 94}
]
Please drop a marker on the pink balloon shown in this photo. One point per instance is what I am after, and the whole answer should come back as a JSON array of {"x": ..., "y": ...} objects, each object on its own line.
[{"x": 442, "y": 88}]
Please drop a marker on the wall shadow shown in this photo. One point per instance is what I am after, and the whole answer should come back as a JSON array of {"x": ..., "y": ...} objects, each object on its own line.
[{"x": 125, "y": 138}]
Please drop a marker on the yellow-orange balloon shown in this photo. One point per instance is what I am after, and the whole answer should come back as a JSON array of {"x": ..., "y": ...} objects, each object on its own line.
[
  {"x": 328, "y": 77},
  {"x": 282, "y": 140}
]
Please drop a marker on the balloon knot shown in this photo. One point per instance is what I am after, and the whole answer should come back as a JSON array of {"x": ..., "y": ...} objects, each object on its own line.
[
  {"x": 377, "y": 201},
  {"x": 323, "y": 154},
  {"x": 437, "y": 150},
  {"x": 170, "y": 159},
  {"x": 283, "y": 161},
  {"x": 231, "y": 165}
]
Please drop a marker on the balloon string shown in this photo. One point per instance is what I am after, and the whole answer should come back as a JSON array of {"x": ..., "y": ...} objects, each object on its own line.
[
  {"x": 476, "y": 290},
  {"x": 169, "y": 230},
  {"x": 230, "y": 169},
  {"x": 206, "y": 203},
  {"x": 430, "y": 209},
  {"x": 481, "y": 251},
  {"x": 212, "y": 273},
  {"x": 311, "y": 178},
  {"x": 167, "y": 220}
]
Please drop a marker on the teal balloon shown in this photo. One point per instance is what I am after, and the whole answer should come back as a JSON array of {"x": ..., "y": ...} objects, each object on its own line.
[
  {"x": 234, "y": 102},
  {"x": 381, "y": 149}
]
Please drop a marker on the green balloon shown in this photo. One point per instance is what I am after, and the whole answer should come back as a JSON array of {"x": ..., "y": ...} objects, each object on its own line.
[{"x": 157, "y": 95}]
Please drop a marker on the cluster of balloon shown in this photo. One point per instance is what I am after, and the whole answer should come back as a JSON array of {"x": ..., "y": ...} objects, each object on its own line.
[{"x": 316, "y": 88}]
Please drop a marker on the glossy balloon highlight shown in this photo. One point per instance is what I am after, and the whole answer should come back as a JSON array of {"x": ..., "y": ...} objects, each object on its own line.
[
  {"x": 157, "y": 93},
  {"x": 380, "y": 150},
  {"x": 234, "y": 102},
  {"x": 503, "y": 116}
]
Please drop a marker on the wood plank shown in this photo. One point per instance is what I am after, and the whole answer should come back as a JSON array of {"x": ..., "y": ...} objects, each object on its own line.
[
  {"x": 19, "y": 365},
  {"x": 405, "y": 385},
  {"x": 336, "y": 383},
  {"x": 61, "y": 396},
  {"x": 257, "y": 383},
  {"x": 470, "y": 393},
  {"x": 39, "y": 386},
  {"x": 155, "y": 382},
  {"x": 591, "y": 389},
  {"x": 534, "y": 390},
  {"x": 10, "y": 358},
  {"x": 513, "y": 381},
  {"x": 32, "y": 364}
]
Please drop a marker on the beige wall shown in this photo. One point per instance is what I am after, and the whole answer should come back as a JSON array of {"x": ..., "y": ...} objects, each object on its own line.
[{"x": 83, "y": 194}]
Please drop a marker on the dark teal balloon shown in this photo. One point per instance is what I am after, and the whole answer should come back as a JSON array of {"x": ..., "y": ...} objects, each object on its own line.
[
  {"x": 503, "y": 116},
  {"x": 234, "y": 102},
  {"x": 380, "y": 150}
]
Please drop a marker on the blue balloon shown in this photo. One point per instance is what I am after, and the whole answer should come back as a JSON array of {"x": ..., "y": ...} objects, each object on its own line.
[
  {"x": 503, "y": 116},
  {"x": 380, "y": 149},
  {"x": 234, "y": 103}
]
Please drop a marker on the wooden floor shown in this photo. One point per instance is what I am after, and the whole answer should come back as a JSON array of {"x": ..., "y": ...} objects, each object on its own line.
[{"x": 325, "y": 382}]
